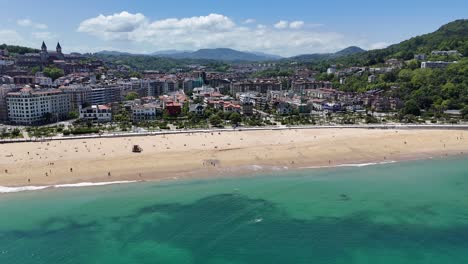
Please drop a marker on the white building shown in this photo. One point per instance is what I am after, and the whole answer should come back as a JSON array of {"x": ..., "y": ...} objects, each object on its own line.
[
  {"x": 331, "y": 70},
  {"x": 145, "y": 112},
  {"x": 371, "y": 79},
  {"x": 446, "y": 52},
  {"x": 42, "y": 80},
  {"x": 34, "y": 106},
  {"x": 200, "y": 92},
  {"x": 99, "y": 113},
  {"x": 435, "y": 64},
  {"x": 420, "y": 57},
  {"x": 245, "y": 98}
]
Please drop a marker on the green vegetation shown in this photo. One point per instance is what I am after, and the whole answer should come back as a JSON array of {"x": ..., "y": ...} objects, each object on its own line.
[
  {"x": 411, "y": 108},
  {"x": 53, "y": 72},
  {"x": 314, "y": 58},
  {"x": 131, "y": 96},
  {"x": 215, "y": 120},
  {"x": 18, "y": 49},
  {"x": 452, "y": 36},
  {"x": 35, "y": 69},
  {"x": 278, "y": 72},
  {"x": 45, "y": 131},
  {"x": 433, "y": 90},
  {"x": 84, "y": 130},
  {"x": 73, "y": 115},
  {"x": 295, "y": 119},
  {"x": 464, "y": 112},
  {"x": 145, "y": 62},
  {"x": 10, "y": 133}
]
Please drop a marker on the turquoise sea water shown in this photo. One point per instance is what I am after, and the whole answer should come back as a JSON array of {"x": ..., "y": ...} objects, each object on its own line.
[{"x": 411, "y": 212}]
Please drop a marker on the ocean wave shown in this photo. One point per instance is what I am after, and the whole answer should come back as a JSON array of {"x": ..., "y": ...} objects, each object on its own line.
[
  {"x": 90, "y": 184},
  {"x": 21, "y": 189},
  {"x": 366, "y": 164},
  {"x": 357, "y": 165},
  {"x": 263, "y": 168},
  {"x": 4, "y": 189}
]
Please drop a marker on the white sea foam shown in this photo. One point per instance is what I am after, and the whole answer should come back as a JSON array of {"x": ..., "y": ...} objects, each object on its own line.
[
  {"x": 358, "y": 165},
  {"x": 21, "y": 189},
  {"x": 366, "y": 164},
  {"x": 261, "y": 168},
  {"x": 90, "y": 184},
  {"x": 256, "y": 167},
  {"x": 75, "y": 185}
]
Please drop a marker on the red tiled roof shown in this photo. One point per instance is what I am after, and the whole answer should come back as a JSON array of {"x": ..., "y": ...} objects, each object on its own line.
[
  {"x": 103, "y": 107},
  {"x": 173, "y": 104}
]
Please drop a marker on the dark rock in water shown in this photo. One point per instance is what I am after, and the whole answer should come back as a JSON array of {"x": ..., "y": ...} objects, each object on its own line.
[{"x": 344, "y": 197}]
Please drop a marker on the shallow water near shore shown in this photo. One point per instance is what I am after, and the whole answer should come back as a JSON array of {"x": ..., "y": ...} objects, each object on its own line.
[{"x": 408, "y": 212}]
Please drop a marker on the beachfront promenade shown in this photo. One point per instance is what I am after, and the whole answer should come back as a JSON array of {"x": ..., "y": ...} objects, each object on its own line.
[{"x": 184, "y": 131}]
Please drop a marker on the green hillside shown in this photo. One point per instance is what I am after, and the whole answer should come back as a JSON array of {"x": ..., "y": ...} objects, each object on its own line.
[
  {"x": 17, "y": 49},
  {"x": 452, "y": 36}
]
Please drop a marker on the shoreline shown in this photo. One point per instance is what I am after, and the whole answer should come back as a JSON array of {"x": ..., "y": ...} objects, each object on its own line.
[
  {"x": 216, "y": 154},
  {"x": 254, "y": 170}
]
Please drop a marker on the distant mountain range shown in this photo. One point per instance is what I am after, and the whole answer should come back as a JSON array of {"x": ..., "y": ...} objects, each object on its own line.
[
  {"x": 222, "y": 54},
  {"x": 231, "y": 55},
  {"x": 169, "y": 52},
  {"x": 115, "y": 53},
  {"x": 324, "y": 56}
]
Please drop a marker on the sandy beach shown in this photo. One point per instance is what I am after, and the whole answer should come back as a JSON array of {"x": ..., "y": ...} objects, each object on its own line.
[{"x": 215, "y": 154}]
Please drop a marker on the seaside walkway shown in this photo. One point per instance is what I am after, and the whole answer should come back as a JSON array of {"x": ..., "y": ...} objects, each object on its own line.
[{"x": 269, "y": 128}]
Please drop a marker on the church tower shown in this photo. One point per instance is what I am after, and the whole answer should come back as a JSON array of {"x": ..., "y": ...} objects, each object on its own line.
[
  {"x": 44, "y": 54},
  {"x": 59, "y": 48},
  {"x": 43, "y": 47}
]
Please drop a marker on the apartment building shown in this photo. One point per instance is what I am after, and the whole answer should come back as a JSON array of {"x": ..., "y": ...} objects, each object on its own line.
[
  {"x": 35, "y": 106},
  {"x": 99, "y": 113}
]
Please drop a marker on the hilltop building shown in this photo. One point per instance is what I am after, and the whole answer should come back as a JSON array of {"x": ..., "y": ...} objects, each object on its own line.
[{"x": 46, "y": 57}]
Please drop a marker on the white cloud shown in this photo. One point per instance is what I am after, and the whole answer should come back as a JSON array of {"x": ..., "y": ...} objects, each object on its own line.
[
  {"x": 250, "y": 21},
  {"x": 282, "y": 24},
  {"x": 211, "y": 22},
  {"x": 296, "y": 24},
  {"x": 378, "y": 45},
  {"x": 117, "y": 23},
  {"x": 211, "y": 31},
  {"x": 30, "y": 23},
  {"x": 44, "y": 35},
  {"x": 10, "y": 37},
  {"x": 24, "y": 22}
]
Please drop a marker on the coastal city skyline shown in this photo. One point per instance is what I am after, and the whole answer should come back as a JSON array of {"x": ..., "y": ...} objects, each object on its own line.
[
  {"x": 233, "y": 131},
  {"x": 285, "y": 29}
]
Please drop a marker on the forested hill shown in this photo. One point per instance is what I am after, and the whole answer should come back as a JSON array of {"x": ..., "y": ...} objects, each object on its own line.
[
  {"x": 311, "y": 58},
  {"x": 452, "y": 36},
  {"x": 17, "y": 49}
]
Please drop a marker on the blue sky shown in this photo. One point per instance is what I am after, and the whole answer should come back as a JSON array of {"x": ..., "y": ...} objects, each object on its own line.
[{"x": 281, "y": 27}]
